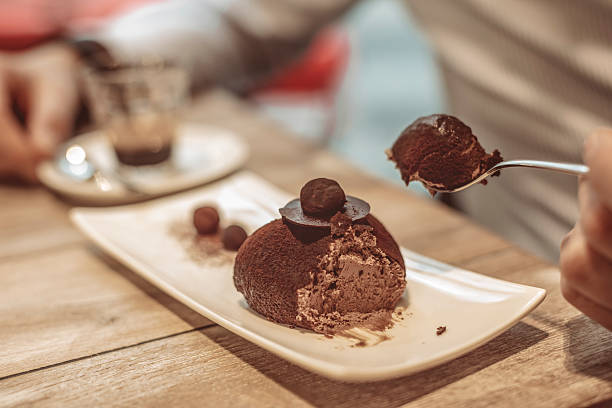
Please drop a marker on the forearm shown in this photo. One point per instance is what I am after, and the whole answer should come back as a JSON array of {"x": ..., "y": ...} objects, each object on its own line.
[{"x": 232, "y": 43}]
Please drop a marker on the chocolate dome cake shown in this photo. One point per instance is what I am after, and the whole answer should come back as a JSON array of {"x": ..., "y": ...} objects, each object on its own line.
[{"x": 327, "y": 265}]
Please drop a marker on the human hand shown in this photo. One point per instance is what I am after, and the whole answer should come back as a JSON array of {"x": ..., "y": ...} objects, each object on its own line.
[
  {"x": 586, "y": 252},
  {"x": 42, "y": 83}
]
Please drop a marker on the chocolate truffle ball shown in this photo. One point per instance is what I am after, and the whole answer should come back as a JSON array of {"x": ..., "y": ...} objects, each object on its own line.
[
  {"x": 206, "y": 220},
  {"x": 321, "y": 197},
  {"x": 233, "y": 237}
]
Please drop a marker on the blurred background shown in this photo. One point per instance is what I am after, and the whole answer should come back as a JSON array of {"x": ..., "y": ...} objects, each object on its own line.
[{"x": 390, "y": 78}]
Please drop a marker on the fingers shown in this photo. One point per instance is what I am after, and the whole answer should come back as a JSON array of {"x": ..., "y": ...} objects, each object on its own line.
[
  {"x": 43, "y": 82},
  {"x": 586, "y": 252},
  {"x": 16, "y": 158},
  {"x": 51, "y": 112},
  {"x": 595, "y": 219},
  {"x": 585, "y": 305},
  {"x": 586, "y": 270},
  {"x": 586, "y": 278},
  {"x": 597, "y": 151}
]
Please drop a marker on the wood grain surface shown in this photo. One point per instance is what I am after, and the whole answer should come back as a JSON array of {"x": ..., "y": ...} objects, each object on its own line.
[{"x": 79, "y": 329}]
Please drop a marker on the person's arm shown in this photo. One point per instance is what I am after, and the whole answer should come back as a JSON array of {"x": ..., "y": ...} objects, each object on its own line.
[
  {"x": 586, "y": 252},
  {"x": 227, "y": 42}
]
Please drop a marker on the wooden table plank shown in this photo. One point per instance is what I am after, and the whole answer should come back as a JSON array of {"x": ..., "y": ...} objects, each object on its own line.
[
  {"x": 72, "y": 303},
  {"x": 183, "y": 370},
  {"x": 505, "y": 264},
  {"x": 213, "y": 367},
  {"x": 33, "y": 220}
]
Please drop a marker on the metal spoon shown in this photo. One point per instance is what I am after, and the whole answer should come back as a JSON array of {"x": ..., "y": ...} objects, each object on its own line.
[
  {"x": 567, "y": 168},
  {"x": 84, "y": 168}
]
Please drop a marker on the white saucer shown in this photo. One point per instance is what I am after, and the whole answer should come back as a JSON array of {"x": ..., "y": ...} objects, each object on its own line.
[{"x": 200, "y": 154}]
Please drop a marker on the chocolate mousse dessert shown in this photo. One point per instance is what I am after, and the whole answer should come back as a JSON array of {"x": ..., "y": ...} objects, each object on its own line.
[
  {"x": 327, "y": 265},
  {"x": 441, "y": 152}
]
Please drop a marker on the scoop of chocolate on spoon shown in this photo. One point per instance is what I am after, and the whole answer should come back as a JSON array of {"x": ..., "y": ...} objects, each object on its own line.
[{"x": 444, "y": 154}]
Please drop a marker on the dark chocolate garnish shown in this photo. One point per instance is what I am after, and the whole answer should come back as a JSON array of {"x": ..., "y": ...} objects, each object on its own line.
[
  {"x": 206, "y": 220},
  {"x": 322, "y": 196},
  {"x": 233, "y": 237},
  {"x": 354, "y": 208}
]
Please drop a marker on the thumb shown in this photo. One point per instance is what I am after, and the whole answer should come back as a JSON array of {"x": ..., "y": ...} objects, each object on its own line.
[{"x": 597, "y": 154}]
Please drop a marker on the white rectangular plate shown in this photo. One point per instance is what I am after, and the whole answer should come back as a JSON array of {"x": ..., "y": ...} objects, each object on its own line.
[{"x": 155, "y": 239}]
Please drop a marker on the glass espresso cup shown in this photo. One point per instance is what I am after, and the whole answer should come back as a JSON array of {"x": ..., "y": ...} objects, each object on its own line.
[{"x": 137, "y": 107}]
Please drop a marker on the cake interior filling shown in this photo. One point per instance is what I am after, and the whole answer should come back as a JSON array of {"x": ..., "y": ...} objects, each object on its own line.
[{"x": 356, "y": 284}]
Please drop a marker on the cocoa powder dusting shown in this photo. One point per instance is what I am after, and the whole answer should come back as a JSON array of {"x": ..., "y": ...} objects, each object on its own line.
[{"x": 202, "y": 249}]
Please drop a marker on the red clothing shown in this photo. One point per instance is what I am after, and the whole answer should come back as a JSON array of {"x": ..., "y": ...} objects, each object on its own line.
[{"x": 24, "y": 23}]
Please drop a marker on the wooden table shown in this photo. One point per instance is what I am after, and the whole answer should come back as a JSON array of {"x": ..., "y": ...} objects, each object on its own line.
[{"x": 78, "y": 329}]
